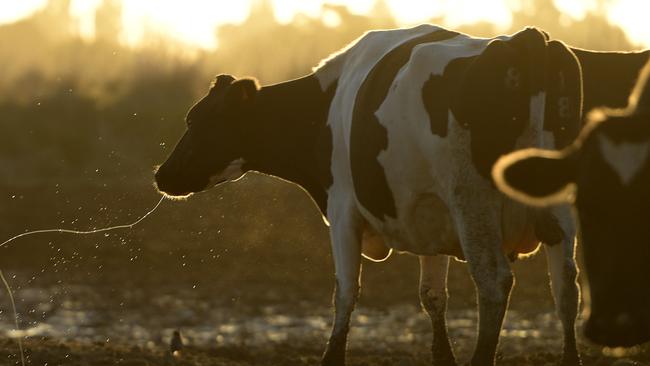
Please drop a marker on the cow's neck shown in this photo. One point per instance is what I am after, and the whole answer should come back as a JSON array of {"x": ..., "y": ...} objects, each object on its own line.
[
  {"x": 291, "y": 139},
  {"x": 609, "y": 76}
]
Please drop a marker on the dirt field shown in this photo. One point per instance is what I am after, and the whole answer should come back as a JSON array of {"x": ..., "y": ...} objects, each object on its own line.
[{"x": 246, "y": 281}]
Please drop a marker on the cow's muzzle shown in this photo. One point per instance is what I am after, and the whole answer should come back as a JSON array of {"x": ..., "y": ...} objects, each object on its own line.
[{"x": 171, "y": 185}]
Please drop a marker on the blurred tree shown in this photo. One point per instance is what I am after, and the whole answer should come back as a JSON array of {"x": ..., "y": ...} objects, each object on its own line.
[
  {"x": 261, "y": 13},
  {"x": 55, "y": 20},
  {"x": 304, "y": 41},
  {"x": 586, "y": 33},
  {"x": 108, "y": 22},
  {"x": 381, "y": 15}
]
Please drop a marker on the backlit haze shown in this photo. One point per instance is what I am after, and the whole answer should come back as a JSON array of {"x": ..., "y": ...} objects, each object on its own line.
[
  {"x": 193, "y": 21},
  {"x": 94, "y": 94}
]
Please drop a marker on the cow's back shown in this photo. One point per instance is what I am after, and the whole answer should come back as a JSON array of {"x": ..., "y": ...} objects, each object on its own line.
[{"x": 351, "y": 66}]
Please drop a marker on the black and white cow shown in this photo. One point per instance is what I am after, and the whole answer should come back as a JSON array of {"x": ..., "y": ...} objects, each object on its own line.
[
  {"x": 606, "y": 173},
  {"x": 394, "y": 138}
]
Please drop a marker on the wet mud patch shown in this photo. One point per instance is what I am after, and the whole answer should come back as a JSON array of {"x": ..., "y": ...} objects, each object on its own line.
[{"x": 84, "y": 328}]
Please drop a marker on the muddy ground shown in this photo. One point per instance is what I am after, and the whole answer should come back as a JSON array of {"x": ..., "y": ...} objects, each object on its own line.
[{"x": 244, "y": 272}]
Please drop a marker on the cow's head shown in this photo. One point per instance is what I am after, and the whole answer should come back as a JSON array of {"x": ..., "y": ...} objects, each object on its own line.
[
  {"x": 606, "y": 173},
  {"x": 210, "y": 151},
  {"x": 516, "y": 83}
]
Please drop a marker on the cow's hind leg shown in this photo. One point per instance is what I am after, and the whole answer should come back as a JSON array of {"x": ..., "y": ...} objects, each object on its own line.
[
  {"x": 433, "y": 297},
  {"x": 493, "y": 277},
  {"x": 346, "y": 250},
  {"x": 563, "y": 273},
  {"x": 480, "y": 237}
]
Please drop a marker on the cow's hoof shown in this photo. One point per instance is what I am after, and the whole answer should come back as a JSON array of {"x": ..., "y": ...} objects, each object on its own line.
[
  {"x": 334, "y": 353},
  {"x": 571, "y": 360},
  {"x": 444, "y": 357},
  {"x": 333, "y": 359},
  {"x": 444, "y": 362}
]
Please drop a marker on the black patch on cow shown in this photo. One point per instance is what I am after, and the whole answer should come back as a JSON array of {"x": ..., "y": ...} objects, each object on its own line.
[
  {"x": 493, "y": 101},
  {"x": 368, "y": 137},
  {"x": 324, "y": 142},
  {"x": 322, "y": 151},
  {"x": 435, "y": 96},
  {"x": 563, "y": 111},
  {"x": 286, "y": 135}
]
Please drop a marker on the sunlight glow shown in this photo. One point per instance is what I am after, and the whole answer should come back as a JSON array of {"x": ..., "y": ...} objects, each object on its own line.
[
  {"x": 470, "y": 11},
  {"x": 634, "y": 15},
  {"x": 576, "y": 9},
  {"x": 416, "y": 11},
  {"x": 84, "y": 11},
  {"x": 11, "y": 10},
  {"x": 285, "y": 10},
  {"x": 190, "y": 21},
  {"x": 193, "y": 21}
]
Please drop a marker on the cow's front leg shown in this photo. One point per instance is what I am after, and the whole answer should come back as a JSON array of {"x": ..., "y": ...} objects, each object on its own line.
[
  {"x": 563, "y": 272},
  {"x": 346, "y": 250},
  {"x": 433, "y": 297},
  {"x": 479, "y": 229}
]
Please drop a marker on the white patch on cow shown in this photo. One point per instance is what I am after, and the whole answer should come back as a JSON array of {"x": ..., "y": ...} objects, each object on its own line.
[
  {"x": 420, "y": 188},
  {"x": 549, "y": 141},
  {"x": 562, "y": 268},
  {"x": 329, "y": 69},
  {"x": 537, "y": 109},
  {"x": 231, "y": 173},
  {"x": 534, "y": 134},
  {"x": 625, "y": 158},
  {"x": 361, "y": 55}
]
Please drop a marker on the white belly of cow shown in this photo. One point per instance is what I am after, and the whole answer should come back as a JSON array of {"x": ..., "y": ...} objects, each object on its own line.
[{"x": 424, "y": 226}]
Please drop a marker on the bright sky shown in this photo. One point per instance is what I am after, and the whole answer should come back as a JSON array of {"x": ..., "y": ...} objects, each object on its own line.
[{"x": 193, "y": 21}]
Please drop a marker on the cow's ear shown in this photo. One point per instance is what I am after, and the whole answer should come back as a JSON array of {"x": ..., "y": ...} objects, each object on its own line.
[
  {"x": 640, "y": 97},
  {"x": 241, "y": 92},
  {"x": 498, "y": 65},
  {"x": 530, "y": 44},
  {"x": 563, "y": 94},
  {"x": 493, "y": 76},
  {"x": 506, "y": 67},
  {"x": 221, "y": 83},
  {"x": 537, "y": 177},
  {"x": 223, "y": 80}
]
